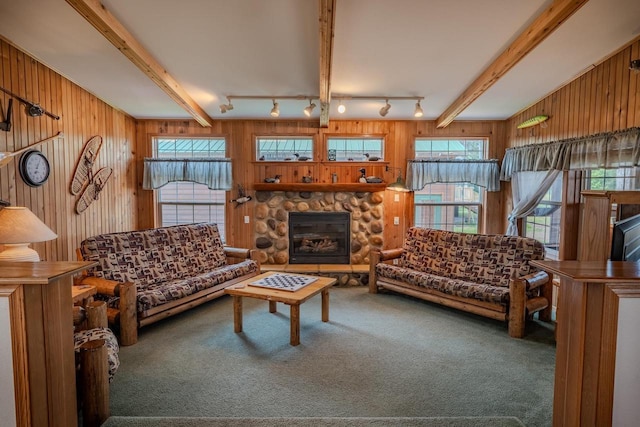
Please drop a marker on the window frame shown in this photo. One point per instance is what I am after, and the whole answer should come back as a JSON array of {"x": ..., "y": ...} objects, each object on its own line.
[
  {"x": 479, "y": 205},
  {"x": 258, "y": 136},
  {"x": 327, "y": 137},
  {"x": 157, "y": 203}
]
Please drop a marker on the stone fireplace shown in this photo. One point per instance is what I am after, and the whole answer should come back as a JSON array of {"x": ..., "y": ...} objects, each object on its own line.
[
  {"x": 319, "y": 238},
  {"x": 273, "y": 209}
]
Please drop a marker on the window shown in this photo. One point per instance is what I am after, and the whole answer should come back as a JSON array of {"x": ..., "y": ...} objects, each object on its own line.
[
  {"x": 623, "y": 178},
  {"x": 187, "y": 202},
  {"x": 354, "y": 149},
  {"x": 283, "y": 148},
  {"x": 544, "y": 224},
  {"x": 449, "y": 206}
]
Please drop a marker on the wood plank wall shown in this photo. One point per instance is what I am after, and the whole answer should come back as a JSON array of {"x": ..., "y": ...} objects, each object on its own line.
[
  {"x": 240, "y": 135},
  {"x": 82, "y": 116},
  {"x": 607, "y": 98},
  {"x": 604, "y": 99}
]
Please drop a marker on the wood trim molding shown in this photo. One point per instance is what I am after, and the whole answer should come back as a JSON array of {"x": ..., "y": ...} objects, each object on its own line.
[
  {"x": 98, "y": 16},
  {"x": 327, "y": 25},
  {"x": 15, "y": 296},
  {"x": 548, "y": 21}
]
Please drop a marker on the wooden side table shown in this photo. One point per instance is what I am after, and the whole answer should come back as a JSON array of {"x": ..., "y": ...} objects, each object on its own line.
[{"x": 83, "y": 294}]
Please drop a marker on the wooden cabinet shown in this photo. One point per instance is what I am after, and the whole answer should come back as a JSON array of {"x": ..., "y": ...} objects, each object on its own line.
[
  {"x": 597, "y": 347},
  {"x": 36, "y": 324},
  {"x": 594, "y": 240}
]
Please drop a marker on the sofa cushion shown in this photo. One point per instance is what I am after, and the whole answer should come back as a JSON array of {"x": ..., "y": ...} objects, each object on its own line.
[
  {"x": 477, "y": 258},
  {"x": 457, "y": 287},
  {"x": 163, "y": 292},
  {"x": 149, "y": 257}
]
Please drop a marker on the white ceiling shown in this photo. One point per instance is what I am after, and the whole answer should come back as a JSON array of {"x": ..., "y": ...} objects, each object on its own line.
[{"x": 215, "y": 48}]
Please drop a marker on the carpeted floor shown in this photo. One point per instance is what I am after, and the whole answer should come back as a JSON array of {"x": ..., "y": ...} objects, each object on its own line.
[
  {"x": 379, "y": 356},
  {"x": 314, "y": 422}
]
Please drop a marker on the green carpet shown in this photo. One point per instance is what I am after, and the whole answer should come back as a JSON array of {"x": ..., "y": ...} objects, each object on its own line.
[
  {"x": 381, "y": 355},
  {"x": 313, "y": 422}
]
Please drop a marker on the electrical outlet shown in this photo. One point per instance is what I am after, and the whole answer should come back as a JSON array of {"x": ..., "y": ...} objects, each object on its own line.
[
  {"x": 396, "y": 197},
  {"x": 246, "y": 219},
  {"x": 396, "y": 220},
  {"x": 395, "y": 261}
]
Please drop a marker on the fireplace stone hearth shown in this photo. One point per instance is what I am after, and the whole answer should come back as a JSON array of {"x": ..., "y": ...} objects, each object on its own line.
[{"x": 272, "y": 213}]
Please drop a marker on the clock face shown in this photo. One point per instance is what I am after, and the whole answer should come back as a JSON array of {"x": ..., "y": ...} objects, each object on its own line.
[{"x": 34, "y": 168}]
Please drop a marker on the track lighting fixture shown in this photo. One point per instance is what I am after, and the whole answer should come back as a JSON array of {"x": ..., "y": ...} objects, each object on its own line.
[
  {"x": 308, "y": 110},
  {"x": 275, "y": 111},
  {"x": 418, "y": 111},
  {"x": 385, "y": 110},
  {"x": 226, "y": 107}
]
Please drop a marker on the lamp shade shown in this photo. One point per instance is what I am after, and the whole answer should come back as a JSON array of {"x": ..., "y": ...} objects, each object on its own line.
[
  {"x": 399, "y": 185},
  {"x": 19, "y": 227}
]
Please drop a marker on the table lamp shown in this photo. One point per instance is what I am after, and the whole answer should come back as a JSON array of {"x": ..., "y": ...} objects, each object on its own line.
[{"x": 18, "y": 228}]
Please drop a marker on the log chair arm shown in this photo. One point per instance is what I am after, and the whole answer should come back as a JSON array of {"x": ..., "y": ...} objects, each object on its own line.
[
  {"x": 93, "y": 378},
  {"x": 376, "y": 256},
  {"x": 242, "y": 253},
  {"x": 126, "y": 314},
  {"x": 520, "y": 306}
]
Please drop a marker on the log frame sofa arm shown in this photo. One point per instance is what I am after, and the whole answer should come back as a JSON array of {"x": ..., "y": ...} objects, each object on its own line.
[
  {"x": 376, "y": 256},
  {"x": 242, "y": 253},
  {"x": 520, "y": 306},
  {"x": 127, "y": 307}
]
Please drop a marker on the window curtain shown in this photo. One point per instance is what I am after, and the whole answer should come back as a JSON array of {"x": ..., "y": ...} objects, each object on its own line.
[
  {"x": 484, "y": 173},
  {"x": 528, "y": 189},
  {"x": 214, "y": 173},
  {"x": 605, "y": 150}
]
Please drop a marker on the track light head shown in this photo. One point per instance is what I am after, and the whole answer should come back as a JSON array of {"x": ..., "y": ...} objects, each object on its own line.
[
  {"x": 384, "y": 110},
  {"x": 226, "y": 107},
  {"x": 418, "y": 111},
  {"x": 275, "y": 111},
  {"x": 308, "y": 110},
  {"x": 341, "y": 108}
]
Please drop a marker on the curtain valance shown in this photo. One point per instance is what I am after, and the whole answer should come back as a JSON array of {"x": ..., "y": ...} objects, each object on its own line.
[
  {"x": 484, "y": 173},
  {"x": 604, "y": 150},
  {"x": 214, "y": 173}
]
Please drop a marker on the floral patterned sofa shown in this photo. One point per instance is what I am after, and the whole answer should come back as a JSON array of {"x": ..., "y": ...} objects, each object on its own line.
[
  {"x": 487, "y": 275},
  {"x": 152, "y": 274}
]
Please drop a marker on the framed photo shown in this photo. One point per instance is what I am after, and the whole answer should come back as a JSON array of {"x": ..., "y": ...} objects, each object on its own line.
[{"x": 331, "y": 155}]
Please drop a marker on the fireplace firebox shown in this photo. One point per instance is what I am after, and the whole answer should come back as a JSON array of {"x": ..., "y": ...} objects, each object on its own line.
[{"x": 319, "y": 237}]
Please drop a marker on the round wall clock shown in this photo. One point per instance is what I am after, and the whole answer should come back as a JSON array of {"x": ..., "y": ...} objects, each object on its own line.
[{"x": 34, "y": 168}]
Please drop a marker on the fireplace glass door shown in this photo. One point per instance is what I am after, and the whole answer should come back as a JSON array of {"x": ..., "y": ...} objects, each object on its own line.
[{"x": 319, "y": 237}]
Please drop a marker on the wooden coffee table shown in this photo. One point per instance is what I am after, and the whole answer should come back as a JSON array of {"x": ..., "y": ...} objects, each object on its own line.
[{"x": 293, "y": 299}]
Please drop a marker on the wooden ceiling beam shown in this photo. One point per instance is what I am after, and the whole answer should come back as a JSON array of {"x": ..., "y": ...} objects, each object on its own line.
[
  {"x": 548, "y": 21},
  {"x": 94, "y": 12},
  {"x": 327, "y": 24}
]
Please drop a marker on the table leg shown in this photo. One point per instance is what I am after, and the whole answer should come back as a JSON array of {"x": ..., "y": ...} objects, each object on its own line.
[
  {"x": 237, "y": 314},
  {"x": 272, "y": 307},
  {"x": 295, "y": 324},
  {"x": 325, "y": 305}
]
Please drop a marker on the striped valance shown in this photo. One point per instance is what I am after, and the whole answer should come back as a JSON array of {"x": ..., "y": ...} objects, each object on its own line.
[
  {"x": 604, "y": 150},
  {"x": 484, "y": 173},
  {"x": 214, "y": 173}
]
